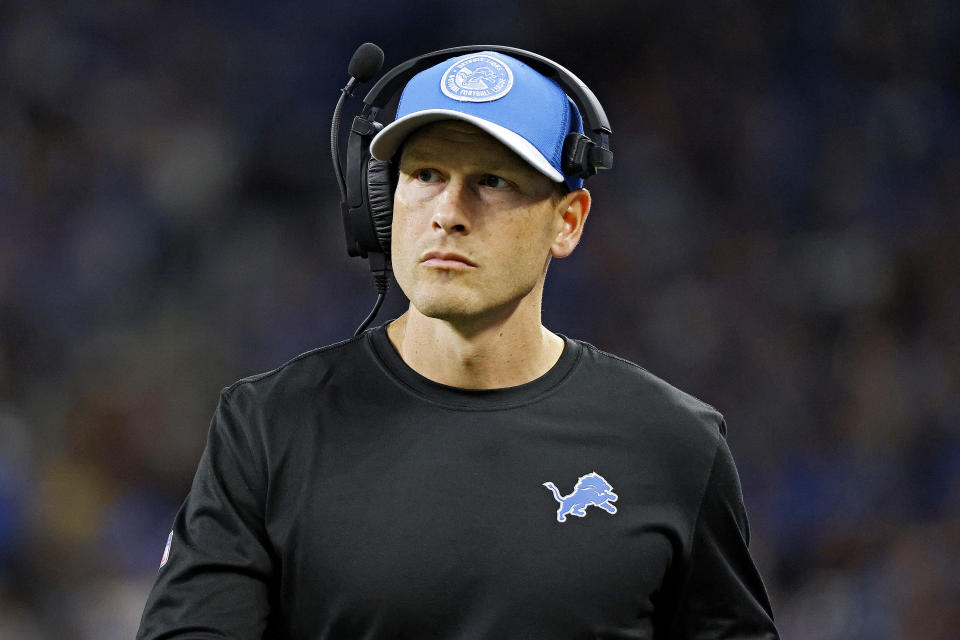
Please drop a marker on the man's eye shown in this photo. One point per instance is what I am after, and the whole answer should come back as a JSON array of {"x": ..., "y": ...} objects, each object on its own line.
[
  {"x": 490, "y": 180},
  {"x": 426, "y": 175}
]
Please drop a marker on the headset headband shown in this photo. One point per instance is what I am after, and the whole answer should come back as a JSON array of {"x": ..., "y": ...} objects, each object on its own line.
[{"x": 390, "y": 83}]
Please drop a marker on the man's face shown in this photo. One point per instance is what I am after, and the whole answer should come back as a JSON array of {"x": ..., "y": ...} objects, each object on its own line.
[{"x": 462, "y": 191}]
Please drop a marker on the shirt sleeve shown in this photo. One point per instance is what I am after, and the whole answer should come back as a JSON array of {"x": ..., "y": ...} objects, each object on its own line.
[
  {"x": 217, "y": 572},
  {"x": 721, "y": 594}
]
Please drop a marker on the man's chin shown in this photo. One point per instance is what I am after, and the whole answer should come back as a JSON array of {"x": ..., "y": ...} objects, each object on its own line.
[
  {"x": 462, "y": 313},
  {"x": 445, "y": 310}
]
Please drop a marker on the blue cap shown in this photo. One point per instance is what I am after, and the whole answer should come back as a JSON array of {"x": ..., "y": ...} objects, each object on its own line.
[{"x": 526, "y": 111}]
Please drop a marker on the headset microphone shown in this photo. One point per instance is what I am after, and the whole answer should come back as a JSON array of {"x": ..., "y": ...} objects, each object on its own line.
[{"x": 365, "y": 63}]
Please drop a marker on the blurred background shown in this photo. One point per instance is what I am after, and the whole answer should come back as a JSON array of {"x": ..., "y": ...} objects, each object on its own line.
[{"x": 780, "y": 237}]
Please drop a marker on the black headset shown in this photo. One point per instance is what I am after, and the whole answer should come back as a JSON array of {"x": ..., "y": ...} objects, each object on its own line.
[{"x": 367, "y": 193}]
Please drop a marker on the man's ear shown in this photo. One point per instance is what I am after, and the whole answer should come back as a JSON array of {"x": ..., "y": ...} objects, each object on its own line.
[{"x": 573, "y": 209}]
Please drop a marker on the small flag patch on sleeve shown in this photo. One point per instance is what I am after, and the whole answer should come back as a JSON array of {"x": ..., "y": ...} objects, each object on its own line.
[{"x": 166, "y": 550}]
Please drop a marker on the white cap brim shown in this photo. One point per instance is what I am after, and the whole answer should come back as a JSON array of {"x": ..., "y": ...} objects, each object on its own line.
[{"x": 385, "y": 144}]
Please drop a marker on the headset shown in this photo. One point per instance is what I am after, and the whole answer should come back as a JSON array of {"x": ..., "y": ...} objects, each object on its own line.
[{"x": 366, "y": 195}]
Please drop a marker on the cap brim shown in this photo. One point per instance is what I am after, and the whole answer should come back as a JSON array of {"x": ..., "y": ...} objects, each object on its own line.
[{"x": 385, "y": 144}]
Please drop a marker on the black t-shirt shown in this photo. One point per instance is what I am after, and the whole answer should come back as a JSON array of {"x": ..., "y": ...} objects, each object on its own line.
[{"x": 345, "y": 496}]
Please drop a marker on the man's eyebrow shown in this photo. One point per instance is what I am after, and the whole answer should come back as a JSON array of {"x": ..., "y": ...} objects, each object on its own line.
[{"x": 409, "y": 155}]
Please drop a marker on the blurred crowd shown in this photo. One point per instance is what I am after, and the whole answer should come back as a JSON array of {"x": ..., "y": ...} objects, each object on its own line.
[{"x": 780, "y": 237}]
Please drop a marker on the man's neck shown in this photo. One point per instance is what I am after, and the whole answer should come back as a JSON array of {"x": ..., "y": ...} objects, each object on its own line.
[{"x": 506, "y": 353}]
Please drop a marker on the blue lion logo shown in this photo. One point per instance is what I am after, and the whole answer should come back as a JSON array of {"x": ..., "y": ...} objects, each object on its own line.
[
  {"x": 480, "y": 78},
  {"x": 591, "y": 489}
]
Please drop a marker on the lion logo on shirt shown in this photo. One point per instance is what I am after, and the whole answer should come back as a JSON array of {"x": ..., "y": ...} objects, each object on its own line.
[{"x": 592, "y": 489}]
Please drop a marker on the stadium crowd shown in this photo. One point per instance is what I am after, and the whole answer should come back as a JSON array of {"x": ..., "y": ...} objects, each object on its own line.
[{"x": 780, "y": 236}]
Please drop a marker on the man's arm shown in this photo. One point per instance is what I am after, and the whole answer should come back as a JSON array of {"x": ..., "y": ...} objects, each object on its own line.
[
  {"x": 215, "y": 581},
  {"x": 720, "y": 593}
]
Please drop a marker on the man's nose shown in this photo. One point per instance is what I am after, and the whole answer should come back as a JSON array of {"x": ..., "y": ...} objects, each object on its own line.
[{"x": 451, "y": 212}]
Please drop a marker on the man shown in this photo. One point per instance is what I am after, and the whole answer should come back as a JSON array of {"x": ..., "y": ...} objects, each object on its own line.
[{"x": 462, "y": 471}]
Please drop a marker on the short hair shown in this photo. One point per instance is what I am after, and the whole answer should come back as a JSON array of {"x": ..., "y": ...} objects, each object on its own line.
[{"x": 559, "y": 192}]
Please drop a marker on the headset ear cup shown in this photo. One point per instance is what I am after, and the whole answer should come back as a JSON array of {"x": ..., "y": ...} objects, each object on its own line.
[
  {"x": 575, "y": 155},
  {"x": 380, "y": 200}
]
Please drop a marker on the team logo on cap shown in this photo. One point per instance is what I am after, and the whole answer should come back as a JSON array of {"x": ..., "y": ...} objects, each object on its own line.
[{"x": 479, "y": 78}]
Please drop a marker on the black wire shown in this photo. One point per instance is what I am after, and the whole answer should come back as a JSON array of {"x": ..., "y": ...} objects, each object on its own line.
[
  {"x": 335, "y": 137},
  {"x": 373, "y": 314},
  {"x": 381, "y": 279}
]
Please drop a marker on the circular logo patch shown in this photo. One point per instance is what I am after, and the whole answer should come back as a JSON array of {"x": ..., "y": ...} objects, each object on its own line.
[{"x": 479, "y": 78}]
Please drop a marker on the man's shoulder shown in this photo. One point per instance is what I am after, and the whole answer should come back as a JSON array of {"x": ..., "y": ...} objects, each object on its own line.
[
  {"x": 306, "y": 373},
  {"x": 626, "y": 382}
]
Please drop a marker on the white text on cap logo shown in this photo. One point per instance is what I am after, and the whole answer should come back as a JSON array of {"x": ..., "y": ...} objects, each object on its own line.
[{"x": 479, "y": 78}]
